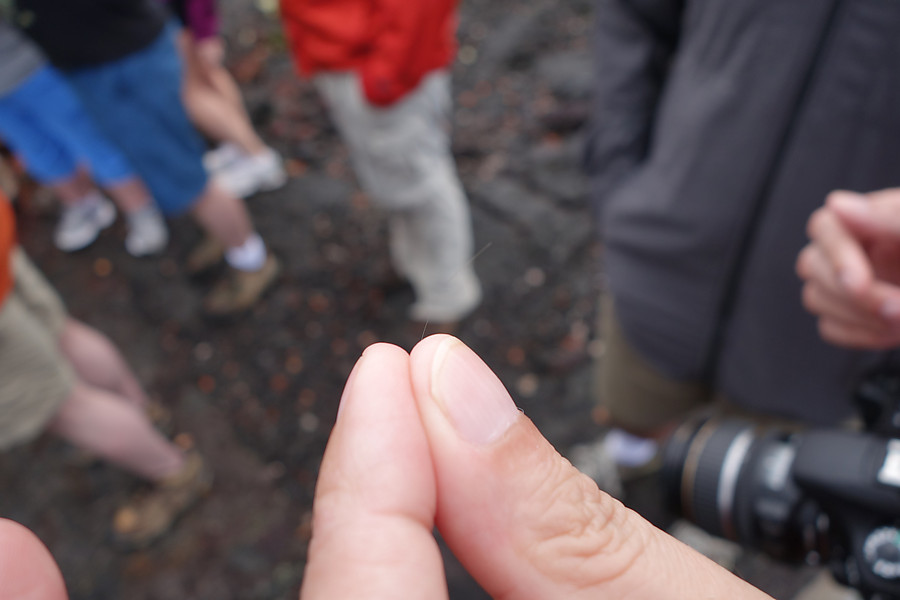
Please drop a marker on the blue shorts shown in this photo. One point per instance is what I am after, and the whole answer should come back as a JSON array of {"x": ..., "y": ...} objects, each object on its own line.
[
  {"x": 45, "y": 124},
  {"x": 136, "y": 102}
]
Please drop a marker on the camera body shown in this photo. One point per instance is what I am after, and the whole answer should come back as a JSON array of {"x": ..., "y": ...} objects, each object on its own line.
[{"x": 820, "y": 496}]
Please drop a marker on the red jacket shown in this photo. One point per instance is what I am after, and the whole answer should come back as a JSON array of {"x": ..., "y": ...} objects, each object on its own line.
[
  {"x": 7, "y": 242},
  {"x": 391, "y": 44}
]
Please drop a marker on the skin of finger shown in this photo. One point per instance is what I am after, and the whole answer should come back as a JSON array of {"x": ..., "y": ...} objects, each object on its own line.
[
  {"x": 882, "y": 219},
  {"x": 824, "y": 303},
  {"x": 27, "y": 571},
  {"x": 526, "y": 524},
  {"x": 813, "y": 266},
  {"x": 841, "y": 249},
  {"x": 850, "y": 336},
  {"x": 373, "y": 514}
]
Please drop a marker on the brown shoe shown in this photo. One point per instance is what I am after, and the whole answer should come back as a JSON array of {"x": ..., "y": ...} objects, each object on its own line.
[
  {"x": 205, "y": 255},
  {"x": 242, "y": 289},
  {"x": 144, "y": 520}
]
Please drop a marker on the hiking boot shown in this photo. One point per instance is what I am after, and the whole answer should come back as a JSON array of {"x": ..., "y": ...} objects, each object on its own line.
[
  {"x": 144, "y": 520},
  {"x": 205, "y": 256},
  {"x": 242, "y": 289},
  {"x": 80, "y": 224}
]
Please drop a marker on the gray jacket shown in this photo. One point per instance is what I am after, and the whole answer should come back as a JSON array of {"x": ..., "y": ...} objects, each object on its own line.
[
  {"x": 19, "y": 58},
  {"x": 720, "y": 126}
]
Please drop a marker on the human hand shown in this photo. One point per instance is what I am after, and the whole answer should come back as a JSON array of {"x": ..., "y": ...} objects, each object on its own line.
[
  {"x": 26, "y": 568},
  {"x": 434, "y": 439},
  {"x": 851, "y": 269},
  {"x": 211, "y": 51}
]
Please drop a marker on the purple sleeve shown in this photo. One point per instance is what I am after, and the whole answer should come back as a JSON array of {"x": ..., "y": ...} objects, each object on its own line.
[{"x": 202, "y": 18}]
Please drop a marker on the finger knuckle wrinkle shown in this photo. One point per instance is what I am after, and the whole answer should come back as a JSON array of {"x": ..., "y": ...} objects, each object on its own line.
[{"x": 581, "y": 536}]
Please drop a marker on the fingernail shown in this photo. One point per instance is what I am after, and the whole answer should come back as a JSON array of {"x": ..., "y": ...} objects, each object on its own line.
[
  {"x": 349, "y": 385},
  {"x": 471, "y": 396}
]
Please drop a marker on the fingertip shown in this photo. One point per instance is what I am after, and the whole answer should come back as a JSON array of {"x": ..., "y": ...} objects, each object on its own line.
[
  {"x": 428, "y": 346},
  {"x": 382, "y": 349},
  {"x": 27, "y": 570},
  {"x": 844, "y": 197},
  {"x": 423, "y": 356}
]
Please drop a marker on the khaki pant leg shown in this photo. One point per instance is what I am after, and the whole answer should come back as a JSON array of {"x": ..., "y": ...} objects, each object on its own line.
[
  {"x": 37, "y": 294},
  {"x": 35, "y": 378},
  {"x": 633, "y": 394},
  {"x": 402, "y": 158}
]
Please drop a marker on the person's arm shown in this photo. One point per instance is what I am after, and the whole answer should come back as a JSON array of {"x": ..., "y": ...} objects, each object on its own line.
[
  {"x": 634, "y": 44},
  {"x": 400, "y": 24}
]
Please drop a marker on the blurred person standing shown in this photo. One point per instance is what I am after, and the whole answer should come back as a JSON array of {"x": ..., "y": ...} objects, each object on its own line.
[
  {"x": 122, "y": 60},
  {"x": 43, "y": 121},
  {"x": 58, "y": 374},
  {"x": 719, "y": 128},
  {"x": 382, "y": 68},
  {"x": 243, "y": 164}
]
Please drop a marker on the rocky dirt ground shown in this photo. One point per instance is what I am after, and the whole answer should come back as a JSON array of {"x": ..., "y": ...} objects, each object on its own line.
[{"x": 259, "y": 394}]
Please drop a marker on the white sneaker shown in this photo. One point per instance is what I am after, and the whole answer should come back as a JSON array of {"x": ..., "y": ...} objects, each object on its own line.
[
  {"x": 221, "y": 157},
  {"x": 147, "y": 234},
  {"x": 251, "y": 174},
  {"x": 79, "y": 225}
]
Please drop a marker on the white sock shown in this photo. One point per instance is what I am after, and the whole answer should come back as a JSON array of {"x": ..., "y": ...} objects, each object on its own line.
[
  {"x": 92, "y": 198},
  {"x": 629, "y": 450},
  {"x": 148, "y": 216},
  {"x": 250, "y": 256}
]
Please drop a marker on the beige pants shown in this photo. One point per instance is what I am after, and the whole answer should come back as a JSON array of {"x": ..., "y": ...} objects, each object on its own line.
[
  {"x": 402, "y": 158},
  {"x": 633, "y": 394},
  {"x": 35, "y": 379}
]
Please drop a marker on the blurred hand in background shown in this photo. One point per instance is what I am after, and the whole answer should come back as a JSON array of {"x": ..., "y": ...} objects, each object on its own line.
[{"x": 851, "y": 269}]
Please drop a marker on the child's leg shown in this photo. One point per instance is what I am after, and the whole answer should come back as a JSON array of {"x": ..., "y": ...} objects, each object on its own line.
[
  {"x": 116, "y": 430},
  {"x": 213, "y": 100},
  {"x": 45, "y": 122},
  {"x": 98, "y": 362},
  {"x": 56, "y": 107},
  {"x": 223, "y": 216}
]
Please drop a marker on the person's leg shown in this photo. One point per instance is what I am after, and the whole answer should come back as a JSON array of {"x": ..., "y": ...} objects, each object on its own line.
[
  {"x": 243, "y": 164},
  {"x": 223, "y": 216},
  {"x": 98, "y": 362},
  {"x": 402, "y": 157},
  {"x": 73, "y": 190},
  {"x": 85, "y": 213},
  {"x": 63, "y": 115},
  {"x": 631, "y": 393},
  {"x": 116, "y": 430},
  {"x": 213, "y": 101},
  {"x": 253, "y": 268},
  {"x": 48, "y": 106}
]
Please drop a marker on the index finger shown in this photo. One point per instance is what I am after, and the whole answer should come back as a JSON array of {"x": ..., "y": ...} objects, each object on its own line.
[
  {"x": 375, "y": 498},
  {"x": 26, "y": 568},
  {"x": 842, "y": 250}
]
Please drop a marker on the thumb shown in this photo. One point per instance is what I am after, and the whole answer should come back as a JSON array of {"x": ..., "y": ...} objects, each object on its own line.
[
  {"x": 523, "y": 521},
  {"x": 26, "y": 568}
]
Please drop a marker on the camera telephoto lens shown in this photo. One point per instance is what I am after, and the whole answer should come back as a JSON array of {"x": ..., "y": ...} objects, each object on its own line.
[{"x": 734, "y": 480}]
